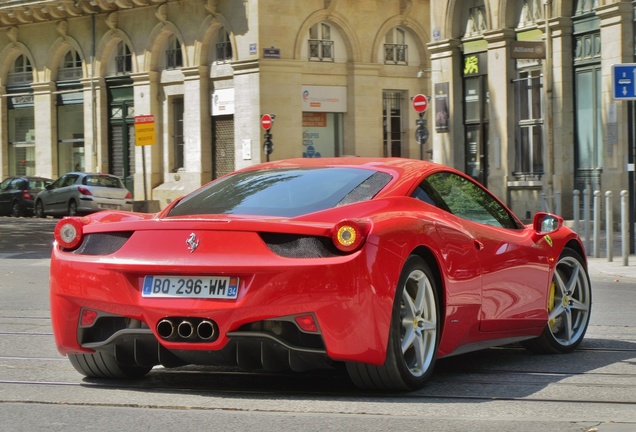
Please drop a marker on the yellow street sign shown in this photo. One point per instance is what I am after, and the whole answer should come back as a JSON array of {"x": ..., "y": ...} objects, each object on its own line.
[{"x": 145, "y": 130}]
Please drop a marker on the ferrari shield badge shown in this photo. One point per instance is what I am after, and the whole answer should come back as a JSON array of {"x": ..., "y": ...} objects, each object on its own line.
[
  {"x": 192, "y": 242},
  {"x": 547, "y": 238}
]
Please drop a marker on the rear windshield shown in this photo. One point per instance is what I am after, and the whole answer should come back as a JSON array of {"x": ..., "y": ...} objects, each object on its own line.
[
  {"x": 38, "y": 183},
  {"x": 103, "y": 181},
  {"x": 283, "y": 192}
]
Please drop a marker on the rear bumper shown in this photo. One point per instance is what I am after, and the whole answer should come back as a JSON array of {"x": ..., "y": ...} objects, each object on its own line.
[{"x": 350, "y": 297}]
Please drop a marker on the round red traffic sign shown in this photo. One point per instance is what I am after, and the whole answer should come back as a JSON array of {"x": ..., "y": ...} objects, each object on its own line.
[
  {"x": 266, "y": 121},
  {"x": 420, "y": 103}
]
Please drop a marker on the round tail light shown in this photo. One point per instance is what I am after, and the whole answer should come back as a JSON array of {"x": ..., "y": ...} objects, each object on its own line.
[
  {"x": 349, "y": 235},
  {"x": 69, "y": 232}
]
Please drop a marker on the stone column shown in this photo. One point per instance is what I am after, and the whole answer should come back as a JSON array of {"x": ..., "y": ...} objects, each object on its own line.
[
  {"x": 45, "y": 129},
  {"x": 197, "y": 128},
  {"x": 446, "y": 64}
]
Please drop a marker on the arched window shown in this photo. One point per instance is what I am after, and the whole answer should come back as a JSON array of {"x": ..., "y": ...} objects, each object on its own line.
[
  {"x": 531, "y": 12},
  {"x": 174, "y": 56},
  {"x": 71, "y": 67},
  {"x": 123, "y": 59},
  {"x": 223, "y": 46},
  {"x": 22, "y": 72},
  {"x": 395, "y": 47},
  {"x": 475, "y": 18},
  {"x": 320, "y": 43}
]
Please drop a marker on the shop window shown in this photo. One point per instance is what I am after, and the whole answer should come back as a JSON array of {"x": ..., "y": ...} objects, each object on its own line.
[
  {"x": 322, "y": 134},
  {"x": 320, "y": 43},
  {"x": 529, "y": 131},
  {"x": 178, "y": 141},
  {"x": 392, "y": 102},
  {"x": 395, "y": 48},
  {"x": 174, "y": 56}
]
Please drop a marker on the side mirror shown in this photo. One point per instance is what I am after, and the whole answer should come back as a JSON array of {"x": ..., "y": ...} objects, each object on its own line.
[{"x": 546, "y": 223}]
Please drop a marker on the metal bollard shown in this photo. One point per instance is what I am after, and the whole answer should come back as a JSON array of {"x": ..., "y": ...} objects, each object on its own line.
[
  {"x": 609, "y": 222},
  {"x": 597, "y": 223},
  {"x": 586, "y": 218},
  {"x": 624, "y": 227},
  {"x": 577, "y": 201}
]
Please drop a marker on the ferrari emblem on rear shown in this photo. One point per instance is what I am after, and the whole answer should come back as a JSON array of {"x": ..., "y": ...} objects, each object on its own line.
[{"x": 192, "y": 242}]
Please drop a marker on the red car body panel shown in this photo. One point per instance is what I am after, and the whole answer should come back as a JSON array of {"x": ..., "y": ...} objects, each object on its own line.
[{"x": 494, "y": 281}]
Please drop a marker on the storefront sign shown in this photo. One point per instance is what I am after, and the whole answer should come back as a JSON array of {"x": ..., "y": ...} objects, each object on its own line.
[
  {"x": 527, "y": 50},
  {"x": 223, "y": 102},
  {"x": 324, "y": 98},
  {"x": 475, "y": 64},
  {"x": 441, "y": 107}
]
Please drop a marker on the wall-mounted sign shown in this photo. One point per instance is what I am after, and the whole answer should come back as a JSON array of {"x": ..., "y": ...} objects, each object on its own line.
[
  {"x": 527, "y": 50},
  {"x": 271, "y": 53},
  {"x": 475, "y": 64},
  {"x": 441, "y": 107},
  {"x": 324, "y": 98},
  {"x": 223, "y": 102}
]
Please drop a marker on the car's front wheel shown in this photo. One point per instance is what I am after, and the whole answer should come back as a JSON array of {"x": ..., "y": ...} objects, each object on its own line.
[
  {"x": 569, "y": 307},
  {"x": 413, "y": 336},
  {"x": 39, "y": 209},
  {"x": 104, "y": 365}
]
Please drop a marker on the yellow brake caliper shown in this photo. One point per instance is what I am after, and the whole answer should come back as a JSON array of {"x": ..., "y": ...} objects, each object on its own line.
[{"x": 551, "y": 295}]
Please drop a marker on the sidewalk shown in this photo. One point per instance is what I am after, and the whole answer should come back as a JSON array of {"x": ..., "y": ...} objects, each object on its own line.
[{"x": 614, "y": 268}]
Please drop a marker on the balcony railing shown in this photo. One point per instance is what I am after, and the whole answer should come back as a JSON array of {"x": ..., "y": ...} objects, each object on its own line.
[{"x": 320, "y": 50}]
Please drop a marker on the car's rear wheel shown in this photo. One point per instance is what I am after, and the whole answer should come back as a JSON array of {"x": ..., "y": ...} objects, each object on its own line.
[
  {"x": 569, "y": 307},
  {"x": 72, "y": 208},
  {"x": 16, "y": 210},
  {"x": 39, "y": 209},
  {"x": 413, "y": 336},
  {"x": 104, "y": 365}
]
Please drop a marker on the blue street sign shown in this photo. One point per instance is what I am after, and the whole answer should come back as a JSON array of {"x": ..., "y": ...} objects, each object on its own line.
[{"x": 624, "y": 81}]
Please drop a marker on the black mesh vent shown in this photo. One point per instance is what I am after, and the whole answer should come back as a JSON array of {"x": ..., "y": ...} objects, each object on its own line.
[
  {"x": 296, "y": 246},
  {"x": 103, "y": 243}
]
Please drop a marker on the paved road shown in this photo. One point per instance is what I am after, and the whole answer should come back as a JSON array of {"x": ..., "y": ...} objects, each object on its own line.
[{"x": 502, "y": 389}]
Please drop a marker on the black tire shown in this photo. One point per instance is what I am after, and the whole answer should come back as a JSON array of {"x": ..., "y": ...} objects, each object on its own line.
[
  {"x": 570, "y": 306},
  {"x": 72, "y": 208},
  {"x": 16, "y": 210},
  {"x": 104, "y": 365},
  {"x": 39, "y": 210},
  {"x": 413, "y": 336}
]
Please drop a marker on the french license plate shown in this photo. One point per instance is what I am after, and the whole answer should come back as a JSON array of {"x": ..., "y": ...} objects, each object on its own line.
[
  {"x": 218, "y": 287},
  {"x": 109, "y": 206}
]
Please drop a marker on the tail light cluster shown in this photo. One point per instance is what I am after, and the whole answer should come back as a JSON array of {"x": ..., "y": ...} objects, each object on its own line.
[
  {"x": 84, "y": 191},
  {"x": 349, "y": 235},
  {"x": 26, "y": 195},
  {"x": 69, "y": 232}
]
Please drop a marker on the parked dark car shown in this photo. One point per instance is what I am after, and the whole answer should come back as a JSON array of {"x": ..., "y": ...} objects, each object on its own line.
[
  {"x": 17, "y": 194},
  {"x": 83, "y": 193}
]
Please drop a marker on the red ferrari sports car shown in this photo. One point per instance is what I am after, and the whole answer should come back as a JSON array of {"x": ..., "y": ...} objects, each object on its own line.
[{"x": 383, "y": 264}]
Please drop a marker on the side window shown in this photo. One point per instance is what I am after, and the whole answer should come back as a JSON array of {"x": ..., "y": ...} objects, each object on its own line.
[
  {"x": 5, "y": 184},
  {"x": 468, "y": 200}
]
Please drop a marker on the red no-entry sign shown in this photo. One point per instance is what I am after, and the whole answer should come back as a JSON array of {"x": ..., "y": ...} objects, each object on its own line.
[
  {"x": 266, "y": 121},
  {"x": 420, "y": 103}
]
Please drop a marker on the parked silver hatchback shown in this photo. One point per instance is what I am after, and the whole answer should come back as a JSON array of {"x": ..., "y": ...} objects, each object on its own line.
[{"x": 82, "y": 193}]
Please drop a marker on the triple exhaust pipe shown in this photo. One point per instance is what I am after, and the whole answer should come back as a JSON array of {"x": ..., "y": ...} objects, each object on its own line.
[{"x": 187, "y": 329}]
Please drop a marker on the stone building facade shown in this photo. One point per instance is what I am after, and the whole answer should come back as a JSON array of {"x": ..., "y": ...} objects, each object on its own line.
[
  {"x": 527, "y": 88},
  {"x": 520, "y": 91},
  {"x": 74, "y": 75}
]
